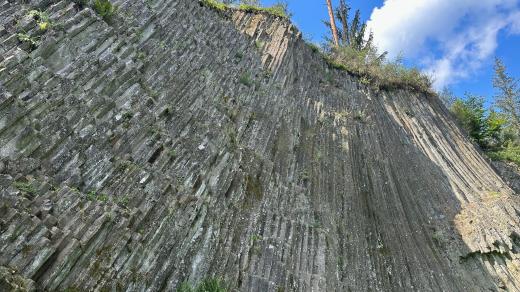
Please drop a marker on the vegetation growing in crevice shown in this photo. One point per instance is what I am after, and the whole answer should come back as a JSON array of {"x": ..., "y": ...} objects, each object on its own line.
[
  {"x": 26, "y": 38},
  {"x": 104, "y": 8},
  {"x": 93, "y": 196},
  {"x": 25, "y": 187},
  {"x": 246, "y": 80},
  {"x": 41, "y": 18}
]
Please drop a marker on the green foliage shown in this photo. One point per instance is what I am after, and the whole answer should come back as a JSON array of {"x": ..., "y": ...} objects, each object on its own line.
[
  {"x": 93, "y": 196},
  {"x": 496, "y": 129},
  {"x": 214, "y": 4},
  {"x": 42, "y": 19},
  {"x": 509, "y": 153},
  {"x": 507, "y": 98},
  {"x": 104, "y": 8},
  {"x": 25, "y": 187},
  {"x": 172, "y": 153},
  {"x": 124, "y": 201},
  {"x": 470, "y": 114},
  {"x": 279, "y": 9},
  {"x": 497, "y": 132},
  {"x": 374, "y": 70},
  {"x": 246, "y": 80},
  {"x": 207, "y": 285},
  {"x": 26, "y": 38},
  {"x": 357, "y": 54}
]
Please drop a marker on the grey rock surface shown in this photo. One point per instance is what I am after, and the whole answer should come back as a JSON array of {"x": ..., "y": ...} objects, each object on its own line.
[
  {"x": 176, "y": 143},
  {"x": 510, "y": 173}
]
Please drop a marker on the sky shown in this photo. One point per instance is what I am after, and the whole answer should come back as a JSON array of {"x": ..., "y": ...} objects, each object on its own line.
[{"x": 455, "y": 41}]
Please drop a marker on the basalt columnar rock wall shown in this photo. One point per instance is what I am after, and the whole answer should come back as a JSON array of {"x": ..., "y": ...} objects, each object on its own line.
[{"x": 177, "y": 143}]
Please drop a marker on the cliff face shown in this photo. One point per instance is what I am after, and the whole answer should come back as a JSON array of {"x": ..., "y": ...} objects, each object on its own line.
[{"x": 178, "y": 143}]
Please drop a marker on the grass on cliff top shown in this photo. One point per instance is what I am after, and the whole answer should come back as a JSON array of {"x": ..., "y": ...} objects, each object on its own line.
[
  {"x": 377, "y": 72},
  {"x": 214, "y": 4},
  {"x": 278, "y": 10}
]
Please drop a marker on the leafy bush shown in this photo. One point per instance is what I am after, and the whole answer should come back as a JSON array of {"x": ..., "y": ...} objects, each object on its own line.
[
  {"x": 207, "y": 285},
  {"x": 104, "y": 8}
]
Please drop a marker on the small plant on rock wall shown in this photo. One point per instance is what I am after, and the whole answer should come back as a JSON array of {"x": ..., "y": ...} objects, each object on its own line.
[
  {"x": 104, "y": 8},
  {"x": 26, "y": 38},
  {"x": 42, "y": 19},
  {"x": 25, "y": 187},
  {"x": 246, "y": 80}
]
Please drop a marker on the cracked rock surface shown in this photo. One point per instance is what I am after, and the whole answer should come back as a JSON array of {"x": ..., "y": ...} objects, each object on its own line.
[{"x": 176, "y": 143}]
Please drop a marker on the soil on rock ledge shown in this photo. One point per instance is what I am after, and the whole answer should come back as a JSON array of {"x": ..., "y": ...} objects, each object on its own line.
[{"x": 176, "y": 143}]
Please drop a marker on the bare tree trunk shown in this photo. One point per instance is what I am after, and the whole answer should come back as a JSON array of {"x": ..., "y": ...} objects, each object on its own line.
[
  {"x": 343, "y": 14},
  {"x": 333, "y": 24}
]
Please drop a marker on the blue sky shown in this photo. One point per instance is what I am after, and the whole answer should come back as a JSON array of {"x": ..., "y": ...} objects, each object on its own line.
[{"x": 454, "y": 40}]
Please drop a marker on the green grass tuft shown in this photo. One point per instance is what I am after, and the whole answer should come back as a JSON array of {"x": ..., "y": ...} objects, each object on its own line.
[
  {"x": 207, "y": 285},
  {"x": 276, "y": 10}
]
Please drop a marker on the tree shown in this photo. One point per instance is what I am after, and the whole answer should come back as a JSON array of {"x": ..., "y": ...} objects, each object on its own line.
[
  {"x": 470, "y": 113},
  {"x": 507, "y": 98},
  {"x": 342, "y": 14},
  {"x": 332, "y": 23},
  {"x": 353, "y": 33},
  {"x": 447, "y": 97},
  {"x": 495, "y": 135}
]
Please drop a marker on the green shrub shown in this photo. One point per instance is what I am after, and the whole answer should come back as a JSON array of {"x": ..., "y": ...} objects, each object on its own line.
[
  {"x": 509, "y": 153},
  {"x": 104, "y": 8},
  {"x": 470, "y": 114}
]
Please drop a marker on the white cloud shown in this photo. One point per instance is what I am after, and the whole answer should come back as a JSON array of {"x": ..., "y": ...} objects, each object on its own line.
[{"x": 449, "y": 38}]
